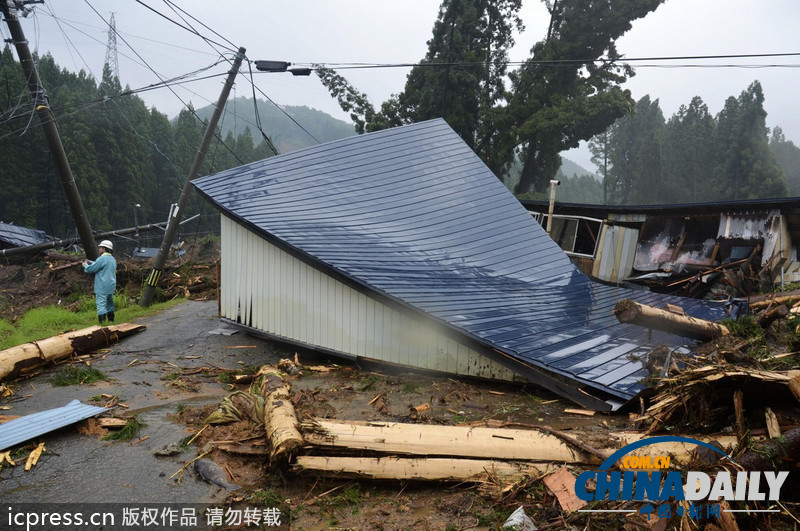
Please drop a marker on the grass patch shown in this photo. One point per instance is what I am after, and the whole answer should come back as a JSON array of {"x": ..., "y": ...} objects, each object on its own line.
[
  {"x": 73, "y": 375},
  {"x": 40, "y": 323},
  {"x": 745, "y": 327},
  {"x": 410, "y": 388},
  {"x": 131, "y": 430},
  {"x": 349, "y": 497},
  {"x": 269, "y": 497}
]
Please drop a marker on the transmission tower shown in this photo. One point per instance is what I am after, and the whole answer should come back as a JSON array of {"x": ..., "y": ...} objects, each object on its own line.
[{"x": 111, "y": 48}]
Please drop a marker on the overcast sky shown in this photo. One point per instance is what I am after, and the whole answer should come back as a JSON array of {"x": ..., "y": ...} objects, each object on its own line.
[{"x": 388, "y": 31}]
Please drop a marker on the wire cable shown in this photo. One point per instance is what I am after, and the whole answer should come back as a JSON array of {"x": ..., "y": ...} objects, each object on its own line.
[{"x": 190, "y": 30}]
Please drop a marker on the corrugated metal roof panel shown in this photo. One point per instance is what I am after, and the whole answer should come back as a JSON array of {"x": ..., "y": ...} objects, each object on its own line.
[
  {"x": 15, "y": 236},
  {"x": 31, "y": 426},
  {"x": 412, "y": 214}
]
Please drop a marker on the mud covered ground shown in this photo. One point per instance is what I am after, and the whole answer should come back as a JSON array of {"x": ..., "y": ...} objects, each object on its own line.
[
  {"x": 174, "y": 375},
  {"x": 58, "y": 279}
]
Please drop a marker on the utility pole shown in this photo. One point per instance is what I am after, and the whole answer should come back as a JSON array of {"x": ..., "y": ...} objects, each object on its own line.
[
  {"x": 172, "y": 224},
  {"x": 48, "y": 120}
]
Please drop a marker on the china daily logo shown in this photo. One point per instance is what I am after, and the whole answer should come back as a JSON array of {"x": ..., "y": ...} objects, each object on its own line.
[{"x": 649, "y": 479}]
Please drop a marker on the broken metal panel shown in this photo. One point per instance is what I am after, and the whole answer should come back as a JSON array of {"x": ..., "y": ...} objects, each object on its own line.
[
  {"x": 31, "y": 426},
  {"x": 412, "y": 219},
  {"x": 14, "y": 236}
]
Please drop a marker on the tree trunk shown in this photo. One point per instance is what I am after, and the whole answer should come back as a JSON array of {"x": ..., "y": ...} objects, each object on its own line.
[
  {"x": 451, "y": 441},
  {"x": 628, "y": 311},
  {"x": 23, "y": 359},
  {"x": 280, "y": 419},
  {"x": 441, "y": 469}
]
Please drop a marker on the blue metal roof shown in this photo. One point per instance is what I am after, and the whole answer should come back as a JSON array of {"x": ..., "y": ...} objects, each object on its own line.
[
  {"x": 14, "y": 236},
  {"x": 412, "y": 216},
  {"x": 31, "y": 426}
]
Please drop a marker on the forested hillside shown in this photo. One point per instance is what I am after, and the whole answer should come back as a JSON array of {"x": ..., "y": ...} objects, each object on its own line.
[
  {"x": 281, "y": 123},
  {"x": 695, "y": 156},
  {"x": 123, "y": 153}
]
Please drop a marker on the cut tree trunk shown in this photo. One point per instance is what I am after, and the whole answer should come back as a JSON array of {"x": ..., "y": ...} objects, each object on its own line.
[
  {"x": 452, "y": 441},
  {"x": 628, "y": 311},
  {"x": 23, "y": 359},
  {"x": 433, "y": 469},
  {"x": 280, "y": 419}
]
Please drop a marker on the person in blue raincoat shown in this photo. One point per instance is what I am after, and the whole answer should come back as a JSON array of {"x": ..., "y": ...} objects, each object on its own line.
[{"x": 105, "y": 280}]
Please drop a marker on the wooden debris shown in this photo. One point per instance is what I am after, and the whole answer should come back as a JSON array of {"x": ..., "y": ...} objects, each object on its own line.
[
  {"x": 628, "y": 311},
  {"x": 34, "y": 456},
  {"x": 23, "y": 359},
  {"x": 773, "y": 454},
  {"x": 244, "y": 378},
  {"x": 112, "y": 422},
  {"x": 280, "y": 420},
  {"x": 794, "y": 386},
  {"x": 770, "y": 316},
  {"x": 562, "y": 484},
  {"x": 773, "y": 427},
  {"x": 432, "y": 469},
  {"x": 738, "y": 408},
  {"x": 5, "y": 457},
  {"x": 772, "y": 300},
  {"x": 450, "y": 441},
  {"x": 584, "y": 412},
  {"x": 6, "y": 418},
  {"x": 420, "y": 408},
  {"x": 686, "y": 398}
]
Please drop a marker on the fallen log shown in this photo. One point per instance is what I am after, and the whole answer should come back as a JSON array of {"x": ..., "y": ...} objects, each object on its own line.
[
  {"x": 433, "y": 469},
  {"x": 451, "y": 441},
  {"x": 771, "y": 299},
  {"x": 774, "y": 454},
  {"x": 628, "y": 311},
  {"x": 280, "y": 419},
  {"x": 23, "y": 359}
]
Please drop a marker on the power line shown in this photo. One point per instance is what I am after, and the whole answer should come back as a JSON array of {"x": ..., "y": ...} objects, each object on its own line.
[
  {"x": 568, "y": 62},
  {"x": 189, "y": 29}
]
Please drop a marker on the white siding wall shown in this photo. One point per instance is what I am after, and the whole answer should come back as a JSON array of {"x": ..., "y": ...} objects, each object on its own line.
[{"x": 276, "y": 293}]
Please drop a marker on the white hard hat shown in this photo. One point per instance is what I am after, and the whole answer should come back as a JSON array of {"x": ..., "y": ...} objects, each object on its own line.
[{"x": 107, "y": 244}]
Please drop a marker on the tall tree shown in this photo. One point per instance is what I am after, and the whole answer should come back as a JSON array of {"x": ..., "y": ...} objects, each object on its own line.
[
  {"x": 461, "y": 78},
  {"x": 746, "y": 167},
  {"x": 689, "y": 154},
  {"x": 787, "y": 154},
  {"x": 568, "y": 90},
  {"x": 635, "y": 156},
  {"x": 600, "y": 147}
]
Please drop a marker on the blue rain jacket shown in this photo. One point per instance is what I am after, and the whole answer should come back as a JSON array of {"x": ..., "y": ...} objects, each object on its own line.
[{"x": 105, "y": 274}]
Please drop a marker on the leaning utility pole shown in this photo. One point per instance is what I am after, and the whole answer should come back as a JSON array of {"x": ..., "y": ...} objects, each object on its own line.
[
  {"x": 48, "y": 120},
  {"x": 161, "y": 258}
]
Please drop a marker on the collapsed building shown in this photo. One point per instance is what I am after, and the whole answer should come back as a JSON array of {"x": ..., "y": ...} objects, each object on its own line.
[
  {"x": 401, "y": 246},
  {"x": 669, "y": 245}
]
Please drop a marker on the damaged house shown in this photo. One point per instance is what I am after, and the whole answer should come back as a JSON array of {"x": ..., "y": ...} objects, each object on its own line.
[
  {"x": 669, "y": 245},
  {"x": 401, "y": 246}
]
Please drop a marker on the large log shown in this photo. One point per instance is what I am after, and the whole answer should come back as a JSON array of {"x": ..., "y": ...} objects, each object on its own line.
[
  {"x": 774, "y": 454},
  {"x": 23, "y": 359},
  {"x": 628, "y": 311},
  {"x": 434, "y": 469},
  {"x": 280, "y": 419},
  {"x": 451, "y": 441}
]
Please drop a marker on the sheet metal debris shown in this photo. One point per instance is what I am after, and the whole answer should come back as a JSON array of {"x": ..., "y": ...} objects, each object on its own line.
[{"x": 31, "y": 426}]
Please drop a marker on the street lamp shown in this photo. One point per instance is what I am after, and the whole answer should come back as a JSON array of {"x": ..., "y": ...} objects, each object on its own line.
[{"x": 281, "y": 66}]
